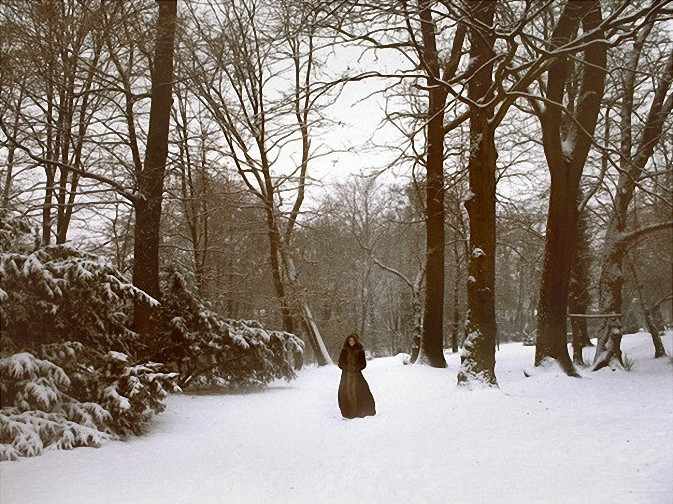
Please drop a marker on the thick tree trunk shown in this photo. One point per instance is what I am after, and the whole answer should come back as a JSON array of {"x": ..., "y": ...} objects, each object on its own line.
[
  {"x": 432, "y": 342},
  {"x": 559, "y": 245},
  {"x": 151, "y": 179},
  {"x": 478, "y": 356},
  {"x": 566, "y": 145},
  {"x": 579, "y": 298}
]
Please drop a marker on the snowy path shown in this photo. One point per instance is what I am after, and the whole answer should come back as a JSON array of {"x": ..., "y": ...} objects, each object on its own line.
[{"x": 546, "y": 439}]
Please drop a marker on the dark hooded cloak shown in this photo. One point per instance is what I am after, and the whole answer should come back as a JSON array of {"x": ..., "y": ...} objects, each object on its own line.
[{"x": 355, "y": 398}]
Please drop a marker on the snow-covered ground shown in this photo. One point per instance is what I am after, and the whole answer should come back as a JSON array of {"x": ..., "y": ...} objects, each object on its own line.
[{"x": 547, "y": 439}]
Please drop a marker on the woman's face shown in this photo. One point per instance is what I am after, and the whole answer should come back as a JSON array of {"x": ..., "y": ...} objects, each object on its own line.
[{"x": 351, "y": 341}]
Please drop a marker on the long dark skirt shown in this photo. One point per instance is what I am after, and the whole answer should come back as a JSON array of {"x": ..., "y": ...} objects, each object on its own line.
[{"x": 355, "y": 398}]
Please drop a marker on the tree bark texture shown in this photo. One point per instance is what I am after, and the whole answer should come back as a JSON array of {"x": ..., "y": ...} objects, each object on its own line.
[
  {"x": 478, "y": 355},
  {"x": 566, "y": 143},
  {"x": 432, "y": 343},
  {"x": 151, "y": 178},
  {"x": 579, "y": 298}
]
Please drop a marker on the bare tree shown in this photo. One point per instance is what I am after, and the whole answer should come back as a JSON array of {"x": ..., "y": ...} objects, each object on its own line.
[
  {"x": 478, "y": 357},
  {"x": 566, "y": 143},
  {"x": 247, "y": 49},
  {"x": 57, "y": 51},
  {"x": 633, "y": 161},
  {"x": 371, "y": 223},
  {"x": 150, "y": 179},
  {"x": 432, "y": 342}
]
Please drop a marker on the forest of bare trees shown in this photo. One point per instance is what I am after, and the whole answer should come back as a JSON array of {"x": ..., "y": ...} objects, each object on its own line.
[{"x": 517, "y": 184}]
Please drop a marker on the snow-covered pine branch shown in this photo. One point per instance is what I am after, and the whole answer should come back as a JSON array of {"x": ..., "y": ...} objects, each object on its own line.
[{"x": 209, "y": 350}]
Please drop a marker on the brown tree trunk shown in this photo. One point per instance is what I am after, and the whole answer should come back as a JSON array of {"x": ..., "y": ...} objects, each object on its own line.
[
  {"x": 432, "y": 342},
  {"x": 566, "y": 146},
  {"x": 551, "y": 323},
  {"x": 276, "y": 273},
  {"x": 478, "y": 357},
  {"x": 455, "y": 329},
  {"x": 151, "y": 179},
  {"x": 579, "y": 298}
]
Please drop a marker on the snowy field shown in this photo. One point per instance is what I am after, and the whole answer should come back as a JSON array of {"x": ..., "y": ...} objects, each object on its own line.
[{"x": 547, "y": 439}]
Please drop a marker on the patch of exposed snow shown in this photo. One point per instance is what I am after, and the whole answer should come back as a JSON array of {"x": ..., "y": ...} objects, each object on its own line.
[{"x": 546, "y": 439}]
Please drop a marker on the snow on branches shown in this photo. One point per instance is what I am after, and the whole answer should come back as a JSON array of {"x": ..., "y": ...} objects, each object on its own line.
[
  {"x": 57, "y": 293},
  {"x": 66, "y": 373},
  {"x": 74, "y": 373},
  {"x": 210, "y": 350},
  {"x": 37, "y": 413}
]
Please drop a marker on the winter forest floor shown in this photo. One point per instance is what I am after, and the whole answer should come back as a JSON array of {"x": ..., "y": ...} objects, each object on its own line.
[{"x": 546, "y": 439}]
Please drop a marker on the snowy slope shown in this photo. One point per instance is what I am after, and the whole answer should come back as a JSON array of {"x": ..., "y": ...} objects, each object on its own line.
[{"x": 605, "y": 438}]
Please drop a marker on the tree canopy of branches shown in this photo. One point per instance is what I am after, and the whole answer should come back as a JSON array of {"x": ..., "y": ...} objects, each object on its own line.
[{"x": 520, "y": 170}]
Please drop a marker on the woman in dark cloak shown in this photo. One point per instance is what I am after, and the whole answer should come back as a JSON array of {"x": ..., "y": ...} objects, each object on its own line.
[{"x": 355, "y": 398}]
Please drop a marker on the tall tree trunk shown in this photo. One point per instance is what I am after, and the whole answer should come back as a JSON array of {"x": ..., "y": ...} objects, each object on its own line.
[
  {"x": 631, "y": 168},
  {"x": 566, "y": 145},
  {"x": 579, "y": 297},
  {"x": 554, "y": 288},
  {"x": 478, "y": 357},
  {"x": 432, "y": 342},
  {"x": 151, "y": 179},
  {"x": 276, "y": 273},
  {"x": 455, "y": 329}
]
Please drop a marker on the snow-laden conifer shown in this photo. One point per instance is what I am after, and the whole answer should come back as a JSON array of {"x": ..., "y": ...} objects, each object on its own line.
[
  {"x": 68, "y": 362},
  {"x": 210, "y": 350}
]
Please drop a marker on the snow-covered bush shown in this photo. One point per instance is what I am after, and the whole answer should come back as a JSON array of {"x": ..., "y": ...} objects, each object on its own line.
[
  {"x": 133, "y": 394},
  {"x": 69, "y": 368},
  {"x": 16, "y": 234},
  {"x": 38, "y": 413},
  {"x": 60, "y": 293},
  {"x": 67, "y": 355},
  {"x": 77, "y": 403},
  {"x": 209, "y": 350}
]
